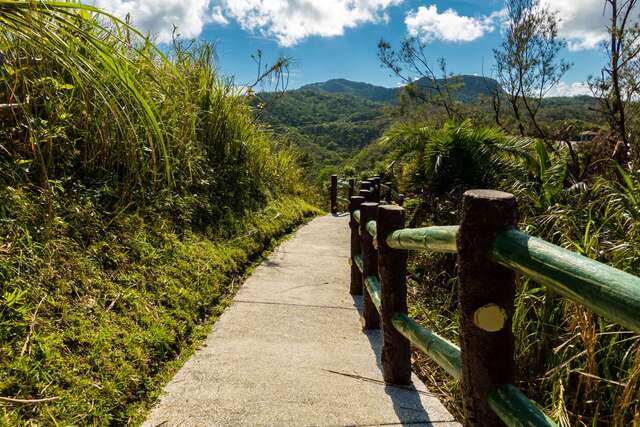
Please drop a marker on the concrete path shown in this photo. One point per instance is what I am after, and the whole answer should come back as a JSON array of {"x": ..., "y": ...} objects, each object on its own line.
[{"x": 290, "y": 351}]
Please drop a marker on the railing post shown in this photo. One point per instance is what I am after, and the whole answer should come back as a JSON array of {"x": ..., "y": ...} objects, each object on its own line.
[
  {"x": 352, "y": 188},
  {"x": 376, "y": 189},
  {"x": 389, "y": 195},
  {"x": 356, "y": 248},
  {"x": 334, "y": 194},
  {"x": 392, "y": 268},
  {"x": 368, "y": 212},
  {"x": 366, "y": 194},
  {"x": 486, "y": 296}
]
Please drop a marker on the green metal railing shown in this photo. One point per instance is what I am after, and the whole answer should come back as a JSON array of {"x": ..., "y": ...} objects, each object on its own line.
[{"x": 607, "y": 291}]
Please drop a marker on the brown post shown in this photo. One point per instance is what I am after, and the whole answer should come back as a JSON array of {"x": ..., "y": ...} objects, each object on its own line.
[
  {"x": 376, "y": 189},
  {"x": 368, "y": 212},
  {"x": 392, "y": 269},
  {"x": 400, "y": 199},
  {"x": 389, "y": 195},
  {"x": 365, "y": 185},
  {"x": 334, "y": 194},
  {"x": 356, "y": 248},
  {"x": 352, "y": 188},
  {"x": 486, "y": 296}
]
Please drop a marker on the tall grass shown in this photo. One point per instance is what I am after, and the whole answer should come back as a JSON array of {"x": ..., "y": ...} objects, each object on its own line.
[{"x": 86, "y": 95}]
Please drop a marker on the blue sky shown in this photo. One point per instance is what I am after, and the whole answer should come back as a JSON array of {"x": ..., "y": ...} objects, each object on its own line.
[{"x": 337, "y": 38}]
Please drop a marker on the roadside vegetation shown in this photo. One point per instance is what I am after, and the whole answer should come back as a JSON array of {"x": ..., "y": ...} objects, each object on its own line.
[{"x": 136, "y": 189}]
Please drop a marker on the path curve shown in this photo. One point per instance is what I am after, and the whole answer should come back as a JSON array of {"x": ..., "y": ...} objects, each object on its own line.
[{"x": 290, "y": 351}]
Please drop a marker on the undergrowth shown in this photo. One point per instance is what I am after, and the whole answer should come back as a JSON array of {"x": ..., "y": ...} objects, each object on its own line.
[{"x": 100, "y": 325}]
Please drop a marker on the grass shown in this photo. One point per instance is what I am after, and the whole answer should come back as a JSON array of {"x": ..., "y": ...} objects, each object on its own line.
[{"x": 103, "y": 326}]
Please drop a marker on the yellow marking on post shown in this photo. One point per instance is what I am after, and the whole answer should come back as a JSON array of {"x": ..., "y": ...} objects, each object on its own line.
[{"x": 490, "y": 318}]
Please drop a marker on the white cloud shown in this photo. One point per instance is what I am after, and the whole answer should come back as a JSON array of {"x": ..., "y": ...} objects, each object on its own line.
[
  {"x": 286, "y": 21},
  {"x": 428, "y": 24},
  {"x": 582, "y": 22},
  {"x": 159, "y": 16},
  {"x": 290, "y": 21},
  {"x": 570, "y": 89},
  {"x": 217, "y": 16}
]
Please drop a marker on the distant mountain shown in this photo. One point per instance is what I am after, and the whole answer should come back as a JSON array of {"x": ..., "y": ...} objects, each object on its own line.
[
  {"x": 332, "y": 121},
  {"x": 357, "y": 89},
  {"x": 470, "y": 87}
]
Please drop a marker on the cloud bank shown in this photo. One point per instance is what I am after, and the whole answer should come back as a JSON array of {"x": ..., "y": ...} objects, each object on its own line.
[
  {"x": 428, "y": 25},
  {"x": 569, "y": 89},
  {"x": 289, "y": 22},
  {"x": 582, "y": 22},
  {"x": 286, "y": 21},
  {"x": 158, "y": 17}
]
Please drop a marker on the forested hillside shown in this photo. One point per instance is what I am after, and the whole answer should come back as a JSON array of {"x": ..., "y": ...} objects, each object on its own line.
[{"x": 331, "y": 122}]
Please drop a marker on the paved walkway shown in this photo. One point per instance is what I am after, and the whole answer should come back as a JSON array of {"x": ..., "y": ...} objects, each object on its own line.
[{"x": 290, "y": 351}]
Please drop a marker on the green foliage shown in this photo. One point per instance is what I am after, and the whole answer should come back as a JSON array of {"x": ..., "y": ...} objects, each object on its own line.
[
  {"x": 581, "y": 367},
  {"x": 91, "y": 98},
  {"x": 102, "y": 322},
  {"x": 135, "y": 191},
  {"x": 326, "y": 127},
  {"x": 447, "y": 161}
]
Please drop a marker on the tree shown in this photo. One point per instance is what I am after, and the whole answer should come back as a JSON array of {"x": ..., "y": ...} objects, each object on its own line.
[
  {"x": 618, "y": 83},
  {"x": 411, "y": 64},
  {"x": 527, "y": 63}
]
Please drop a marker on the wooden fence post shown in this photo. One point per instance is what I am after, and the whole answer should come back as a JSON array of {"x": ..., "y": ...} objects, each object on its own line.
[
  {"x": 392, "y": 269},
  {"x": 352, "y": 188},
  {"x": 365, "y": 185},
  {"x": 334, "y": 194},
  {"x": 376, "y": 189},
  {"x": 389, "y": 193},
  {"x": 400, "y": 199},
  {"x": 355, "y": 287},
  {"x": 368, "y": 212},
  {"x": 486, "y": 296}
]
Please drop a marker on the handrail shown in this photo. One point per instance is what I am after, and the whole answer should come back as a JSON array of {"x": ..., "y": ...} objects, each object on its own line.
[
  {"x": 358, "y": 261},
  {"x": 435, "y": 238},
  {"x": 608, "y": 291},
  {"x": 372, "y": 228},
  {"x": 373, "y": 286},
  {"x": 605, "y": 290},
  {"x": 441, "y": 351},
  {"x": 515, "y": 409}
]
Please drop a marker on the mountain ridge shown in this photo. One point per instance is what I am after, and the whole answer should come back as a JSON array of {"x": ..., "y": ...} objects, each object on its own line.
[{"x": 470, "y": 88}]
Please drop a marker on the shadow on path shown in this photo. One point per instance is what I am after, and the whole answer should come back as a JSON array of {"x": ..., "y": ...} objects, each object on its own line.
[{"x": 406, "y": 399}]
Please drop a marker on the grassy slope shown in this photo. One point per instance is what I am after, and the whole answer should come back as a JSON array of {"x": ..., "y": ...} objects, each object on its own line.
[{"x": 115, "y": 317}]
